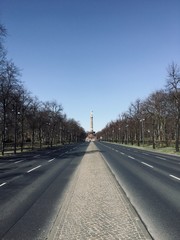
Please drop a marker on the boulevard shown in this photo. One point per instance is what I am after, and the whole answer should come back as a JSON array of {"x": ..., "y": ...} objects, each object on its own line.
[{"x": 32, "y": 188}]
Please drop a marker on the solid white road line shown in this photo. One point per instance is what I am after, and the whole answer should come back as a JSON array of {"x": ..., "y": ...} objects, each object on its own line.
[
  {"x": 2, "y": 184},
  {"x": 33, "y": 169},
  {"x": 174, "y": 177},
  {"x": 147, "y": 165}
]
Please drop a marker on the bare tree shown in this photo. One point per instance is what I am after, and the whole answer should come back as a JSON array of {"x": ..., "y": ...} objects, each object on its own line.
[
  {"x": 8, "y": 83},
  {"x": 173, "y": 87},
  {"x": 25, "y": 102},
  {"x": 25, "y": 118},
  {"x": 32, "y": 117},
  {"x": 135, "y": 112},
  {"x": 54, "y": 111}
]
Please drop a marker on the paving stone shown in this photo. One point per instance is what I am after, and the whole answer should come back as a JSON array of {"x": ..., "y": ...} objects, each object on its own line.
[{"x": 95, "y": 207}]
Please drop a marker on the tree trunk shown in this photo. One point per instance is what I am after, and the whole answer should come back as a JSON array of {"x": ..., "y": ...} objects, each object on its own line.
[
  {"x": 22, "y": 135},
  {"x": 33, "y": 139},
  {"x": 177, "y": 134},
  {"x": 153, "y": 137},
  {"x": 4, "y": 128}
]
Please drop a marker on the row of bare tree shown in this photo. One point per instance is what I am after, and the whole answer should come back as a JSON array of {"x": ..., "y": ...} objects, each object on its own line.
[
  {"x": 154, "y": 121},
  {"x": 26, "y": 121}
]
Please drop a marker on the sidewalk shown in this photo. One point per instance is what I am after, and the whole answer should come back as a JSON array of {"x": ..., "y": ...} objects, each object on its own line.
[{"x": 95, "y": 207}]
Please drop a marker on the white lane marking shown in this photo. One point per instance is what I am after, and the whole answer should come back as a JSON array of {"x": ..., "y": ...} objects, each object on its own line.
[
  {"x": 122, "y": 153},
  {"x": 2, "y": 184},
  {"x": 131, "y": 157},
  {"x": 174, "y": 177},
  {"x": 146, "y": 154},
  {"x": 36, "y": 156},
  {"x": 117, "y": 151},
  {"x": 33, "y": 169},
  {"x": 19, "y": 161},
  {"x": 51, "y": 160},
  {"x": 161, "y": 158},
  {"x": 147, "y": 165}
]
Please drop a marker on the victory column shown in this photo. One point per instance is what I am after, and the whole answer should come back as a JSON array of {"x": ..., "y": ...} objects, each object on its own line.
[{"x": 91, "y": 134}]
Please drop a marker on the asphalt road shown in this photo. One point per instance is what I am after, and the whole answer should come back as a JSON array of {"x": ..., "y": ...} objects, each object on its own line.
[
  {"x": 152, "y": 183},
  {"x": 31, "y": 185}
]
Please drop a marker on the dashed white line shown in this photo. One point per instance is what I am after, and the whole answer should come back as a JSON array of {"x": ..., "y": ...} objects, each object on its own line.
[
  {"x": 117, "y": 151},
  {"x": 147, "y": 165},
  {"x": 161, "y": 158},
  {"x": 51, "y": 160},
  {"x": 131, "y": 157},
  {"x": 37, "y": 156},
  {"x": 2, "y": 184},
  {"x": 19, "y": 161},
  {"x": 146, "y": 154},
  {"x": 122, "y": 153},
  {"x": 33, "y": 169},
  {"x": 174, "y": 177}
]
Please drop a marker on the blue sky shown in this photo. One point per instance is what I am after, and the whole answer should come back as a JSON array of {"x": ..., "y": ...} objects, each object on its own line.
[{"x": 98, "y": 55}]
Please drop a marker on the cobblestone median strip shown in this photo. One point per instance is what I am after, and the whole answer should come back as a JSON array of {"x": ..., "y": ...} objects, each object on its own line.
[{"x": 96, "y": 206}]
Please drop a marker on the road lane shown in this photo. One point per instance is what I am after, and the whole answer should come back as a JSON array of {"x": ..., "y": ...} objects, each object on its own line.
[
  {"x": 147, "y": 180},
  {"x": 29, "y": 201},
  {"x": 27, "y": 161},
  {"x": 164, "y": 163}
]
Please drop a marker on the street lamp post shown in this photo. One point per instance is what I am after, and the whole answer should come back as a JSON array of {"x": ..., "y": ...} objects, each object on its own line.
[
  {"x": 113, "y": 135},
  {"x": 142, "y": 122},
  {"x": 60, "y": 133},
  {"x": 17, "y": 113},
  {"x": 127, "y": 133},
  {"x": 119, "y": 133}
]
